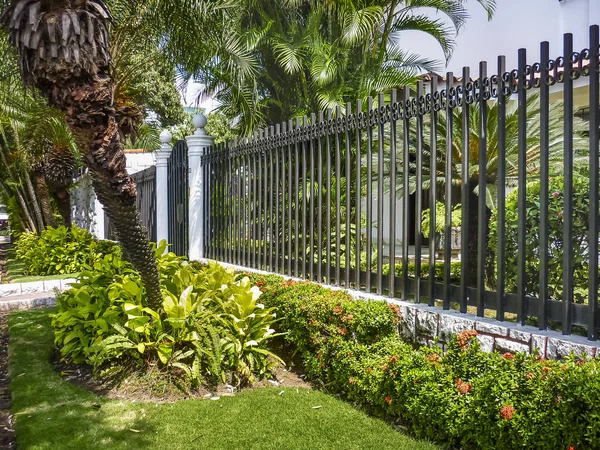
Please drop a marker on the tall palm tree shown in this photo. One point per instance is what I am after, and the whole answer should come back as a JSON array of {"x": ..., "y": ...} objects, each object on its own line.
[
  {"x": 295, "y": 57},
  {"x": 63, "y": 48}
]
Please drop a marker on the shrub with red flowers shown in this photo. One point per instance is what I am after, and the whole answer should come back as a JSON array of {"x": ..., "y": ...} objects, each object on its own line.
[{"x": 463, "y": 398}]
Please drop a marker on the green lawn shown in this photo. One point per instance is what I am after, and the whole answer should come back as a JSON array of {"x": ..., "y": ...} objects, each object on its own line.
[
  {"x": 53, "y": 414},
  {"x": 15, "y": 272}
]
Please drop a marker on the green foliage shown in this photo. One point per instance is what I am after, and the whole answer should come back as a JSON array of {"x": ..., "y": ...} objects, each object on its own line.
[
  {"x": 60, "y": 250},
  {"x": 210, "y": 323},
  {"x": 579, "y": 238},
  {"x": 463, "y": 398},
  {"x": 440, "y": 218}
]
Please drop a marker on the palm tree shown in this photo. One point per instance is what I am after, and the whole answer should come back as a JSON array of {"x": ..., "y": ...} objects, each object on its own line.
[
  {"x": 295, "y": 57},
  {"x": 63, "y": 48}
]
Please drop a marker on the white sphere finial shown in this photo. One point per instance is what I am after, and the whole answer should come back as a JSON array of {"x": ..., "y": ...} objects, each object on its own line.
[
  {"x": 166, "y": 137},
  {"x": 199, "y": 120}
]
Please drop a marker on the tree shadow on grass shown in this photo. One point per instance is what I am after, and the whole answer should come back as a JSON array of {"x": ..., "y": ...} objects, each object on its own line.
[{"x": 51, "y": 413}]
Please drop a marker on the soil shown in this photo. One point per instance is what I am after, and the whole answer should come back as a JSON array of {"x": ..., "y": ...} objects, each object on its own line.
[
  {"x": 152, "y": 385},
  {"x": 7, "y": 433}
]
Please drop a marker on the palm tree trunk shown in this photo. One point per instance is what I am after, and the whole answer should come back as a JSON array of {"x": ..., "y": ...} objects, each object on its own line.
[
  {"x": 34, "y": 203},
  {"x": 91, "y": 116},
  {"x": 62, "y": 198},
  {"x": 44, "y": 196}
]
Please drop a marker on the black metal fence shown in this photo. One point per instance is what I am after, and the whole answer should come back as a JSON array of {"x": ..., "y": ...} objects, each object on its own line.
[
  {"x": 340, "y": 198},
  {"x": 178, "y": 193},
  {"x": 146, "y": 203}
]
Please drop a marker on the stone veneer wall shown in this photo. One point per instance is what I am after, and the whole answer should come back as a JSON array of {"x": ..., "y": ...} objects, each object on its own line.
[{"x": 431, "y": 326}]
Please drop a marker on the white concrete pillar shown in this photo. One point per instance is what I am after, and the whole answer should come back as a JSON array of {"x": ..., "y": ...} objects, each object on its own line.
[
  {"x": 162, "y": 187},
  {"x": 198, "y": 144}
]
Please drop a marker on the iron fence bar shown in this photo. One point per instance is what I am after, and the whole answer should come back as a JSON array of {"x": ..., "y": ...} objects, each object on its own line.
[
  {"x": 290, "y": 200},
  {"x": 338, "y": 188},
  {"x": 522, "y": 187},
  {"x": 285, "y": 209},
  {"x": 405, "y": 189},
  {"x": 432, "y": 105},
  {"x": 328, "y": 199},
  {"x": 244, "y": 243},
  {"x": 369, "y": 228},
  {"x": 221, "y": 206},
  {"x": 267, "y": 202},
  {"x": 393, "y": 156},
  {"x": 277, "y": 181},
  {"x": 482, "y": 224},
  {"x": 501, "y": 210},
  {"x": 419, "y": 104},
  {"x": 358, "y": 212},
  {"x": 544, "y": 176},
  {"x": 271, "y": 149},
  {"x": 297, "y": 201},
  {"x": 312, "y": 198},
  {"x": 320, "y": 204},
  {"x": 348, "y": 203},
  {"x": 260, "y": 227},
  {"x": 450, "y": 104},
  {"x": 594, "y": 82},
  {"x": 464, "y": 235},
  {"x": 568, "y": 195},
  {"x": 255, "y": 195},
  {"x": 231, "y": 201},
  {"x": 239, "y": 248},
  {"x": 217, "y": 205},
  {"x": 228, "y": 204},
  {"x": 380, "y": 181},
  {"x": 304, "y": 193}
]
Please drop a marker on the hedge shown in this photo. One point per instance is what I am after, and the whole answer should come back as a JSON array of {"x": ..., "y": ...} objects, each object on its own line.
[{"x": 463, "y": 398}]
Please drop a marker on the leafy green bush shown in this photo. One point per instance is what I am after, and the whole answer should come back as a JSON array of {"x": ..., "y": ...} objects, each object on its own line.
[
  {"x": 464, "y": 398},
  {"x": 581, "y": 208},
  {"x": 210, "y": 323},
  {"x": 60, "y": 250}
]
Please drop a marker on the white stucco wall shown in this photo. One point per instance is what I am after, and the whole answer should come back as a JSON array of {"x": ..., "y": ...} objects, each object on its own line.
[
  {"x": 88, "y": 213},
  {"x": 516, "y": 24}
]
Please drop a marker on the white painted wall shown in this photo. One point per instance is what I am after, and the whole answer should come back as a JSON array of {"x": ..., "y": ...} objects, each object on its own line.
[
  {"x": 516, "y": 24},
  {"x": 87, "y": 211}
]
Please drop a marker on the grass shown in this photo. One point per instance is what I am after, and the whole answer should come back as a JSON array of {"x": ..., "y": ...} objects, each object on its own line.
[
  {"x": 52, "y": 413},
  {"x": 15, "y": 272}
]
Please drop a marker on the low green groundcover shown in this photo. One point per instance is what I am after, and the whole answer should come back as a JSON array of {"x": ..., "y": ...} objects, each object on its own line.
[
  {"x": 53, "y": 414},
  {"x": 465, "y": 397}
]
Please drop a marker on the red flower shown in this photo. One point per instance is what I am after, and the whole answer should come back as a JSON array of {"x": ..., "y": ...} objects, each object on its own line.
[
  {"x": 384, "y": 367},
  {"x": 530, "y": 375},
  {"x": 350, "y": 354},
  {"x": 337, "y": 310},
  {"x": 396, "y": 310},
  {"x": 508, "y": 356},
  {"x": 434, "y": 357},
  {"x": 369, "y": 370},
  {"x": 394, "y": 358},
  {"x": 342, "y": 331},
  {"x": 388, "y": 400},
  {"x": 545, "y": 369},
  {"x": 323, "y": 364},
  {"x": 347, "y": 318},
  {"x": 581, "y": 362},
  {"x": 351, "y": 380},
  {"x": 571, "y": 447},
  {"x": 462, "y": 387},
  {"x": 507, "y": 412},
  {"x": 556, "y": 194},
  {"x": 464, "y": 337}
]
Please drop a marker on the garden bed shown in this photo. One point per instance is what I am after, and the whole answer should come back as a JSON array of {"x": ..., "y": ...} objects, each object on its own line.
[{"x": 51, "y": 413}]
